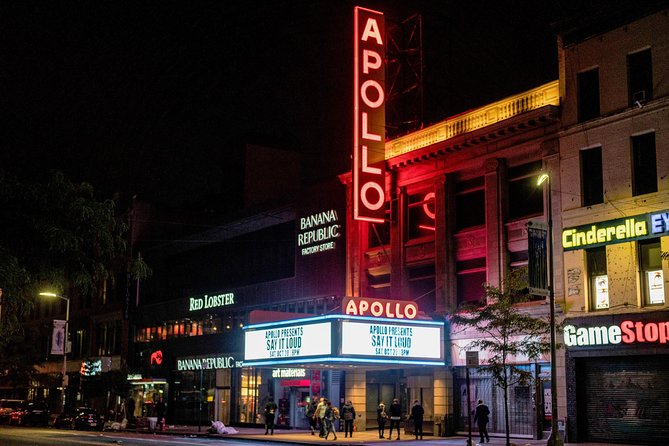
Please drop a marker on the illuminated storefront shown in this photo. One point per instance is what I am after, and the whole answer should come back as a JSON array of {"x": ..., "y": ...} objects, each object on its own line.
[
  {"x": 328, "y": 355},
  {"x": 618, "y": 376}
]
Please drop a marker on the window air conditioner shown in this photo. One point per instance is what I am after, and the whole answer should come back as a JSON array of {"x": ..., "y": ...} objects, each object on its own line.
[{"x": 639, "y": 97}]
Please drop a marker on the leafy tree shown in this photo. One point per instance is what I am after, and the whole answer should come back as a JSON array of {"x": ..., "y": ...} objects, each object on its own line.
[
  {"x": 57, "y": 235},
  {"x": 507, "y": 331}
]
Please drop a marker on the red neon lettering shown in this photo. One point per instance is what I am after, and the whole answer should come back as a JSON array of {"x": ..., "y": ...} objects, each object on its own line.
[
  {"x": 628, "y": 333},
  {"x": 388, "y": 310},
  {"x": 366, "y": 64},
  {"x": 398, "y": 311},
  {"x": 365, "y": 165},
  {"x": 411, "y": 310},
  {"x": 371, "y": 103},
  {"x": 372, "y": 30},
  {"x": 639, "y": 332},
  {"x": 351, "y": 308},
  {"x": 365, "y": 131},
  {"x": 664, "y": 332},
  {"x": 650, "y": 332},
  {"x": 364, "y": 306},
  {"x": 377, "y": 308}
]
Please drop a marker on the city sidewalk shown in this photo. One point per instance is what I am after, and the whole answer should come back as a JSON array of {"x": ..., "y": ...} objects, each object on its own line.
[{"x": 304, "y": 437}]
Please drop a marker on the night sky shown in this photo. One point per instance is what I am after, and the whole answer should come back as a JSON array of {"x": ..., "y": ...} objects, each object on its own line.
[{"x": 157, "y": 99}]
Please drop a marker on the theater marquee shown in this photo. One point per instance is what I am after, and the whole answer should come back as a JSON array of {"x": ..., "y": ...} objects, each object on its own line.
[{"x": 339, "y": 339}]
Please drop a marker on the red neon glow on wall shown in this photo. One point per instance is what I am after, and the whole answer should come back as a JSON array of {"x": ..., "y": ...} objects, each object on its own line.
[{"x": 369, "y": 120}]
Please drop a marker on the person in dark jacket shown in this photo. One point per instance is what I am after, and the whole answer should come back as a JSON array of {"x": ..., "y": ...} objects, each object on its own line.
[
  {"x": 381, "y": 417},
  {"x": 395, "y": 418},
  {"x": 481, "y": 418},
  {"x": 270, "y": 412},
  {"x": 311, "y": 415},
  {"x": 160, "y": 412},
  {"x": 348, "y": 415},
  {"x": 417, "y": 413},
  {"x": 330, "y": 418}
]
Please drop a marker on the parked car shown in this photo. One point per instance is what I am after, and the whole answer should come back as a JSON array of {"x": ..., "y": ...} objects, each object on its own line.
[
  {"x": 82, "y": 418},
  {"x": 7, "y": 406},
  {"x": 34, "y": 413}
]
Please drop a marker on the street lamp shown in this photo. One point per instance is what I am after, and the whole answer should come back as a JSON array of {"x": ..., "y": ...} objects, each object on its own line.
[
  {"x": 554, "y": 439},
  {"x": 67, "y": 319}
]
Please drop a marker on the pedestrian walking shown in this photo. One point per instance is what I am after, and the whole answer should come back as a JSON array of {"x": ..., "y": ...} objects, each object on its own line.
[
  {"x": 311, "y": 415},
  {"x": 320, "y": 416},
  {"x": 160, "y": 414},
  {"x": 348, "y": 414},
  {"x": 417, "y": 413},
  {"x": 270, "y": 412},
  {"x": 330, "y": 417},
  {"x": 395, "y": 418},
  {"x": 481, "y": 418},
  {"x": 381, "y": 417}
]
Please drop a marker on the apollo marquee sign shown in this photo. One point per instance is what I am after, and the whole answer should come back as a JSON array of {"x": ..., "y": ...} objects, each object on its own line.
[
  {"x": 369, "y": 122},
  {"x": 391, "y": 309}
]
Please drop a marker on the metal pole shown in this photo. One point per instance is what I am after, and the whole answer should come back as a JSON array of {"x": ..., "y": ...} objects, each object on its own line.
[
  {"x": 67, "y": 320},
  {"x": 469, "y": 408},
  {"x": 554, "y": 439},
  {"x": 199, "y": 416}
]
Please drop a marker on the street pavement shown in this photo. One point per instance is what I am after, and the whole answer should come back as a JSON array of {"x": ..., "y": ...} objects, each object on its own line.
[{"x": 304, "y": 437}]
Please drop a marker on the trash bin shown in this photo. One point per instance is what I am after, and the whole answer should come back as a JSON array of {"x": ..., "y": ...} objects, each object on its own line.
[{"x": 152, "y": 423}]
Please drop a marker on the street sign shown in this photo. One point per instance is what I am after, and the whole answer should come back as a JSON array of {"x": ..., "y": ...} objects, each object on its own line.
[{"x": 472, "y": 359}]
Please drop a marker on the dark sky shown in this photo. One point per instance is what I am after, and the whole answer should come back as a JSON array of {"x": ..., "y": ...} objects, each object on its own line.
[{"x": 157, "y": 98}]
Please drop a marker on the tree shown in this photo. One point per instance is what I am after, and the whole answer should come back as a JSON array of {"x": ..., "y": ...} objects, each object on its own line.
[
  {"x": 507, "y": 332},
  {"x": 57, "y": 235}
]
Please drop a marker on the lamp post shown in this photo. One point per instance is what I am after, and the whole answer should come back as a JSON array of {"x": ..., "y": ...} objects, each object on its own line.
[
  {"x": 67, "y": 320},
  {"x": 554, "y": 439}
]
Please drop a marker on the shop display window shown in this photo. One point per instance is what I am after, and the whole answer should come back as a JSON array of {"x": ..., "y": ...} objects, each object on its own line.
[
  {"x": 650, "y": 261},
  {"x": 598, "y": 278}
]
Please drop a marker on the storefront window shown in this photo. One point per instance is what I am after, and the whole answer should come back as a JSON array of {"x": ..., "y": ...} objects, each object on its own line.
[
  {"x": 650, "y": 260},
  {"x": 145, "y": 395},
  {"x": 192, "y": 401},
  {"x": 249, "y": 398},
  {"x": 599, "y": 280}
]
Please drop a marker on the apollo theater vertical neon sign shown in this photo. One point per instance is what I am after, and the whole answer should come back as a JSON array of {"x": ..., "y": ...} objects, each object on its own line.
[{"x": 369, "y": 116}]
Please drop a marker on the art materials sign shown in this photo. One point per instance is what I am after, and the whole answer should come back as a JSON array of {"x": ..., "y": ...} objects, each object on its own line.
[
  {"x": 392, "y": 309},
  {"x": 318, "y": 232},
  {"x": 211, "y": 301},
  {"x": 369, "y": 121},
  {"x": 627, "y": 332},
  {"x": 391, "y": 340},
  {"x": 286, "y": 342},
  {"x": 638, "y": 227}
]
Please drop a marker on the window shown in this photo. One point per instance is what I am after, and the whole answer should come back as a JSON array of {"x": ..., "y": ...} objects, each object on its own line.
[
  {"x": 525, "y": 198},
  {"x": 108, "y": 338},
  {"x": 598, "y": 278},
  {"x": 421, "y": 215},
  {"x": 592, "y": 181},
  {"x": 588, "y": 95},
  {"x": 644, "y": 164},
  {"x": 469, "y": 204},
  {"x": 640, "y": 77},
  {"x": 650, "y": 261},
  {"x": 471, "y": 276}
]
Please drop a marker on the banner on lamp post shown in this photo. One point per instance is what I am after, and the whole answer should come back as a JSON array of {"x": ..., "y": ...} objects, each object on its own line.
[
  {"x": 58, "y": 338},
  {"x": 537, "y": 262}
]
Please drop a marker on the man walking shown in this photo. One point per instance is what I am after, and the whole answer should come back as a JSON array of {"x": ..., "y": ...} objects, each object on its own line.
[
  {"x": 481, "y": 418},
  {"x": 395, "y": 418},
  {"x": 417, "y": 413}
]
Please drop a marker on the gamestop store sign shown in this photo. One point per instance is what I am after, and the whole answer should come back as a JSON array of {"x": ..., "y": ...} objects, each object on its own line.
[{"x": 617, "y": 367}]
